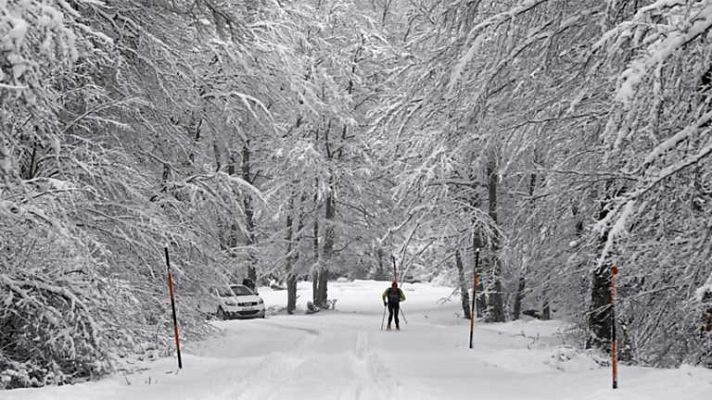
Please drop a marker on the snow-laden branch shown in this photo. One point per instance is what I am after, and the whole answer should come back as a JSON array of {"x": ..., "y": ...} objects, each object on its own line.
[
  {"x": 239, "y": 182},
  {"x": 97, "y": 108},
  {"x": 12, "y": 87},
  {"x": 244, "y": 185},
  {"x": 625, "y": 208},
  {"x": 245, "y": 98},
  {"x": 475, "y": 39},
  {"x": 677, "y": 138},
  {"x": 660, "y": 50}
]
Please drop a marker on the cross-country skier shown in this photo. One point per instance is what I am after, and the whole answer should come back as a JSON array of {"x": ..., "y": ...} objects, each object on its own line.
[{"x": 392, "y": 298}]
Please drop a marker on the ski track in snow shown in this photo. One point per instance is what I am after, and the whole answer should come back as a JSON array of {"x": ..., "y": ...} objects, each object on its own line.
[
  {"x": 351, "y": 374},
  {"x": 373, "y": 373}
]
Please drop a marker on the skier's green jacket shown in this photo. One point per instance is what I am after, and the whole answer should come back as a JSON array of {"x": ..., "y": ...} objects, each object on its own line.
[{"x": 392, "y": 299}]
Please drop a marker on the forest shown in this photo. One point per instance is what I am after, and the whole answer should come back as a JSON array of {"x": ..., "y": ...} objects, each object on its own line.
[{"x": 289, "y": 140}]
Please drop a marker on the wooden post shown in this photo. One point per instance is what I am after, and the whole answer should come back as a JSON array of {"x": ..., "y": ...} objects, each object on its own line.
[
  {"x": 173, "y": 308},
  {"x": 473, "y": 311},
  {"x": 614, "y": 342}
]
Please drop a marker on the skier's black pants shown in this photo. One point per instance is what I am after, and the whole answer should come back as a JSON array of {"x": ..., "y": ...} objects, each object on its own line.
[{"x": 393, "y": 310}]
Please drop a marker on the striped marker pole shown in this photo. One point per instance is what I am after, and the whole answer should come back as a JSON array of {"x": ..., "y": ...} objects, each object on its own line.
[
  {"x": 614, "y": 341},
  {"x": 173, "y": 308}
]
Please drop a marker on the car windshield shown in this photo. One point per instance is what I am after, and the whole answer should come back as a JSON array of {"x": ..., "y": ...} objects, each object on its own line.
[
  {"x": 241, "y": 290},
  {"x": 225, "y": 292}
]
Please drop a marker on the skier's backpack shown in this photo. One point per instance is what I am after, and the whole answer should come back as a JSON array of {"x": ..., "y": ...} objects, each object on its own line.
[{"x": 393, "y": 295}]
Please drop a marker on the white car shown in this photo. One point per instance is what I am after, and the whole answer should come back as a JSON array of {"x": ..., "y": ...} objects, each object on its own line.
[{"x": 237, "y": 301}]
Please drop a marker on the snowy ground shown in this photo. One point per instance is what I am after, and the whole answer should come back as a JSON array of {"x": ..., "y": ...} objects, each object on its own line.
[{"x": 343, "y": 354}]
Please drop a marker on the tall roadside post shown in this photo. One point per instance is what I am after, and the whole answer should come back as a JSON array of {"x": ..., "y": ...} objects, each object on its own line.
[
  {"x": 614, "y": 341},
  {"x": 173, "y": 308}
]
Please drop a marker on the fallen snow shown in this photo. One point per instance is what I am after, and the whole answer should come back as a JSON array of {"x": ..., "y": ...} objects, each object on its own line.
[{"x": 343, "y": 354}]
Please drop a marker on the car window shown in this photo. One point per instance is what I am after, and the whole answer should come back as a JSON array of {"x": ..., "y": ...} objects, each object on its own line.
[
  {"x": 241, "y": 290},
  {"x": 225, "y": 292}
]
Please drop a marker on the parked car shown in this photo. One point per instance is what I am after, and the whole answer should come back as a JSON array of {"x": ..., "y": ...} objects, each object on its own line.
[{"x": 236, "y": 301}]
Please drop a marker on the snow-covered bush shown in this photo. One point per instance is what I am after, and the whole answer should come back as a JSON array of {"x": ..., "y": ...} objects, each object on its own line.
[
  {"x": 85, "y": 208},
  {"x": 54, "y": 311}
]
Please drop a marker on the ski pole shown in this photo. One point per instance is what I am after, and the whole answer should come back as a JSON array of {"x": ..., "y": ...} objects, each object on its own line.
[
  {"x": 614, "y": 341},
  {"x": 383, "y": 320},
  {"x": 403, "y": 315}
]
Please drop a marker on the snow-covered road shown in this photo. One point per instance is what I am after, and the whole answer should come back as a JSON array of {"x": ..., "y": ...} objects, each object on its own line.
[{"x": 343, "y": 354}]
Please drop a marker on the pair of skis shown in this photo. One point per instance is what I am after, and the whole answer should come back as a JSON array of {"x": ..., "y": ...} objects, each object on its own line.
[{"x": 402, "y": 314}]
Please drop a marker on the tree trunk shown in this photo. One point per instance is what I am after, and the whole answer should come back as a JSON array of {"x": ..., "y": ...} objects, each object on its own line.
[
  {"x": 477, "y": 243},
  {"x": 234, "y": 231},
  {"x": 495, "y": 310},
  {"x": 249, "y": 215},
  {"x": 322, "y": 290},
  {"x": 289, "y": 268},
  {"x": 380, "y": 272},
  {"x": 546, "y": 309},
  {"x": 315, "y": 244},
  {"x": 294, "y": 247},
  {"x": 480, "y": 299},
  {"x": 315, "y": 285},
  {"x": 315, "y": 271},
  {"x": 328, "y": 247},
  {"x": 464, "y": 293},
  {"x": 517, "y": 308},
  {"x": 291, "y": 293},
  {"x": 546, "y": 314},
  {"x": 599, "y": 318}
]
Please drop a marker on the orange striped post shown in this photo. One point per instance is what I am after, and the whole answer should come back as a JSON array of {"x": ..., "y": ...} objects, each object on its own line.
[
  {"x": 173, "y": 308},
  {"x": 614, "y": 342}
]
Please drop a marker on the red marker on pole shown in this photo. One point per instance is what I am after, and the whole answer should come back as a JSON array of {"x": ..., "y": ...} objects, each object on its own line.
[
  {"x": 614, "y": 342},
  {"x": 173, "y": 308}
]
